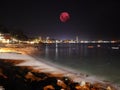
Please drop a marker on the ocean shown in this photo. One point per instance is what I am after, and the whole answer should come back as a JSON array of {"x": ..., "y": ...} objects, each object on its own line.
[{"x": 100, "y": 60}]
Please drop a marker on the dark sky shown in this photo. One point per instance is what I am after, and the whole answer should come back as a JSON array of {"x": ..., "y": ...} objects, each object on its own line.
[{"x": 89, "y": 19}]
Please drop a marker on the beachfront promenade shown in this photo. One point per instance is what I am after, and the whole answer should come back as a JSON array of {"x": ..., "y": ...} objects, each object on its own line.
[{"x": 20, "y": 71}]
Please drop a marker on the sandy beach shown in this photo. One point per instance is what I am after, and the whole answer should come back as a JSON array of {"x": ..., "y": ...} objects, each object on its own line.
[{"x": 66, "y": 79}]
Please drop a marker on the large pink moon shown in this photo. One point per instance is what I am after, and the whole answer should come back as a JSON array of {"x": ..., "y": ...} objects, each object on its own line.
[{"x": 64, "y": 16}]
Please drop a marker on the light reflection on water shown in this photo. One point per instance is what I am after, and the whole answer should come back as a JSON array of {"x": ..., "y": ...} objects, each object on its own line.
[{"x": 101, "y": 61}]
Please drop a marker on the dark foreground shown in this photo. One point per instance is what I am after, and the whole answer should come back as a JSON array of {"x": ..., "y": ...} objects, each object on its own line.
[{"x": 26, "y": 78}]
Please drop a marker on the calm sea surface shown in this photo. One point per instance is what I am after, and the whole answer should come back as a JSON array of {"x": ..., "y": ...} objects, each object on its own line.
[{"x": 94, "y": 59}]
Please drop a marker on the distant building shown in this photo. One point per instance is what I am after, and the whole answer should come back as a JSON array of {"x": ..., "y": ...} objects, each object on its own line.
[
  {"x": 77, "y": 40},
  {"x": 5, "y": 38}
]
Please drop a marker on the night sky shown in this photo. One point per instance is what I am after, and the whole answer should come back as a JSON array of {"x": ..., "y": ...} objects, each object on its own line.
[{"x": 89, "y": 19}]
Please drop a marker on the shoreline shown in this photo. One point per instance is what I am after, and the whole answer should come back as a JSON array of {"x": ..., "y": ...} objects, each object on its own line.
[
  {"x": 78, "y": 76},
  {"x": 50, "y": 67},
  {"x": 66, "y": 69}
]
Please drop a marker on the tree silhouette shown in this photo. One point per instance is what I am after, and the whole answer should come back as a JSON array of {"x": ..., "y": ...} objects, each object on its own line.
[{"x": 18, "y": 34}]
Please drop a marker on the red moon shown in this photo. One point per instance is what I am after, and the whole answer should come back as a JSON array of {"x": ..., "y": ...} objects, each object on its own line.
[{"x": 64, "y": 16}]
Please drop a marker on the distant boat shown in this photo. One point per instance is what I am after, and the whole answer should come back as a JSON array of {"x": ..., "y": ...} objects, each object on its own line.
[
  {"x": 90, "y": 46},
  {"x": 98, "y": 45},
  {"x": 115, "y": 47}
]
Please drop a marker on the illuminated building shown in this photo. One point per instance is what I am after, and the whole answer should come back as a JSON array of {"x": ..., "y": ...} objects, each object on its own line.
[{"x": 5, "y": 38}]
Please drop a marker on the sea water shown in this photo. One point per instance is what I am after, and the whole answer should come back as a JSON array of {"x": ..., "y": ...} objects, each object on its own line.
[{"x": 94, "y": 59}]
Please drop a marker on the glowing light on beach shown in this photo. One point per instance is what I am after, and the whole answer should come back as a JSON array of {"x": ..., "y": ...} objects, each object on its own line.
[{"x": 5, "y": 50}]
